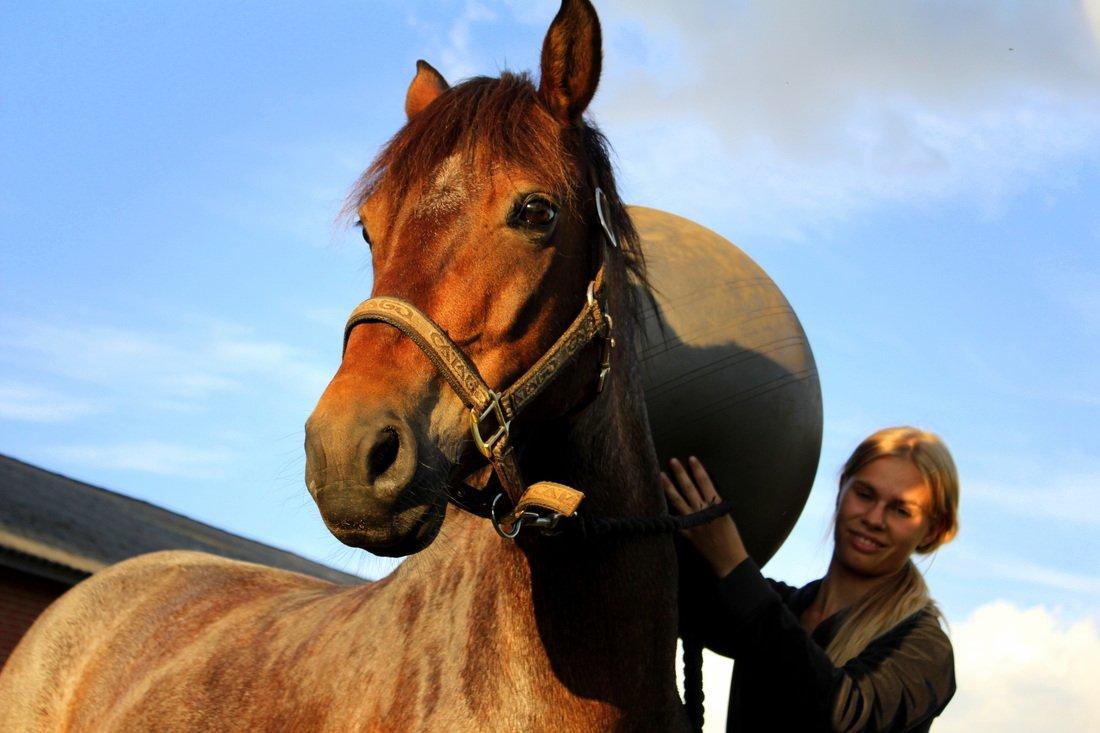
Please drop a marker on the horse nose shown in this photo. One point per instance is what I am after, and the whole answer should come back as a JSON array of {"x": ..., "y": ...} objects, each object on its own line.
[
  {"x": 389, "y": 456},
  {"x": 383, "y": 453},
  {"x": 377, "y": 454}
]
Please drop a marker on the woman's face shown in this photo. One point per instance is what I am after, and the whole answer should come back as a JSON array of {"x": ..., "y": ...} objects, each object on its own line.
[{"x": 884, "y": 514}]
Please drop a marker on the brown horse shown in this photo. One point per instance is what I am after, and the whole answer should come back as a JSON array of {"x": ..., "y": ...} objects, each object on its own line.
[{"x": 482, "y": 213}]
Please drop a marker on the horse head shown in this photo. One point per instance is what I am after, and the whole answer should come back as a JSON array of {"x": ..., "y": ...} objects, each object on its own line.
[{"x": 482, "y": 214}]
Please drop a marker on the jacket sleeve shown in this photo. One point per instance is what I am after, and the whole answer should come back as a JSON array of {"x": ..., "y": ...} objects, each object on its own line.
[
  {"x": 703, "y": 614},
  {"x": 902, "y": 680}
]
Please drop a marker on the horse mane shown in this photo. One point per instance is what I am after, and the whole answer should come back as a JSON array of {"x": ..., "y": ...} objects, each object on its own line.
[{"x": 505, "y": 119}]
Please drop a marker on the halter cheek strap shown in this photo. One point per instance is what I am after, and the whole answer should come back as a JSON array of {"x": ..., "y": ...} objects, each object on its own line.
[{"x": 492, "y": 413}]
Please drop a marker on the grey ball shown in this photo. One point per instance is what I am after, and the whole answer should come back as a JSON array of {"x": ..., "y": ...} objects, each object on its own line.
[{"x": 729, "y": 375}]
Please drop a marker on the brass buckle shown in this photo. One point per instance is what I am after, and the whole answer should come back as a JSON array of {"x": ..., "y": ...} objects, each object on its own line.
[
  {"x": 607, "y": 327},
  {"x": 494, "y": 408},
  {"x": 606, "y": 330}
]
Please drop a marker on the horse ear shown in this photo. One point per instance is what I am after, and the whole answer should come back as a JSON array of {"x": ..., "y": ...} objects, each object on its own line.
[
  {"x": 426, "y": 86},
  {"x": 572, "y": 55}
]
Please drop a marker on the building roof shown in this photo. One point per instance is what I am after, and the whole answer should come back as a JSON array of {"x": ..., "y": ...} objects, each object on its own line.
[{"x": 66, "y": 529}]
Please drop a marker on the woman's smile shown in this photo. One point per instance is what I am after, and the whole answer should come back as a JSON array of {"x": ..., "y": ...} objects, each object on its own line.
[{"x": 863, "y": 543}]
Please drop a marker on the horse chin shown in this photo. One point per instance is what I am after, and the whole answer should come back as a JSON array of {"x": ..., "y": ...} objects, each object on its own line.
[{"x": 402, "y": 528}]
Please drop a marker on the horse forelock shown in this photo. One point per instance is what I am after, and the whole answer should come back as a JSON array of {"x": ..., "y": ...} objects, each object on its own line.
[
  {"x": 485, "y": 121},
  {"x": 481, "y": 118}
]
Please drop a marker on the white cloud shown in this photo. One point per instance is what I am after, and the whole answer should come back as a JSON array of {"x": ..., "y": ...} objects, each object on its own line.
[
  {"x": 28, "y": 403},
  {"x": 1024, "y": 670},
  {"x": 170, "y": 366},
  {"x": 1016, "y": 669},
  {"x": 1066, "y": 498},
  {"x": 296, "y": 189},
  {"x": 454, "y": 55},
  {"x": 1092, "y": 10},
  {"x": 970, "y": 563},
  {"x": 1066, "y": 378},
  {"x": 330, "y": 318},
  {"x": 799, "y": 113},
  {"x": 156, "y": 457},
  {"x": 791, "y": 116}
]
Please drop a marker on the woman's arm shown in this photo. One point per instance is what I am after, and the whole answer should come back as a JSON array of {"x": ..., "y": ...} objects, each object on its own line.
[
  {"x": 902, "y": 680},
  {"x": 720, "y": 545}
]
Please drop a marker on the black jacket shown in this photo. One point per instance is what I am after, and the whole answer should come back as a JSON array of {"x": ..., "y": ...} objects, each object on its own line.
[{"x": 782, "y": 679}]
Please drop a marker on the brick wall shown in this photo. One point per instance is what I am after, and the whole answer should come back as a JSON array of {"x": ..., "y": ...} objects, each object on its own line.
[{"x": 22, "y": 598}]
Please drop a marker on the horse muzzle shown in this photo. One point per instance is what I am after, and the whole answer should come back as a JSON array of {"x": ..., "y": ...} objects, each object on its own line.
[{"x": 373, "y": 485}]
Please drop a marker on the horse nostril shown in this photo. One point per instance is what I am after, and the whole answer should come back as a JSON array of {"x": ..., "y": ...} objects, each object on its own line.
[{"x": 383, "y": 454}]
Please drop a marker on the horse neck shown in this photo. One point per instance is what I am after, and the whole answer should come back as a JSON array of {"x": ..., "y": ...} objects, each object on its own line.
[
  {"x": 563, "y": 614},
  {"x": 606, "y": 450},
  {"x": 606, "y": 604}
]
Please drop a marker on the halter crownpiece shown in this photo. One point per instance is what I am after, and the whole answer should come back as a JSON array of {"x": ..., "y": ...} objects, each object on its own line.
[{"x": 491, "y": 412}]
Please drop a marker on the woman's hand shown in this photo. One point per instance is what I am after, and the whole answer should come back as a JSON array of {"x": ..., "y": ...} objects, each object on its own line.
[{"x": 718, "y": 542}]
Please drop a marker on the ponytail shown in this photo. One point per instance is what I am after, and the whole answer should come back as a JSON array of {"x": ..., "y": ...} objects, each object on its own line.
[{"x": 895, "y": 600}]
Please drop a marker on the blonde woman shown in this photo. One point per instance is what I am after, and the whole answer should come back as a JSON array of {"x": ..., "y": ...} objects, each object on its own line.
[{"x": 860, "y": 649}]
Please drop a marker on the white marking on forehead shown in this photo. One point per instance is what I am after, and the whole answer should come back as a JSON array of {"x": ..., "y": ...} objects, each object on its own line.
[{"x": 450, "y": 185}]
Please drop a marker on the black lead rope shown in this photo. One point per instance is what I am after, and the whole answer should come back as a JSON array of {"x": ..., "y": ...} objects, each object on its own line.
[
  {"x": 693, "y": 682},
  {"x": 592, "y": 527}
]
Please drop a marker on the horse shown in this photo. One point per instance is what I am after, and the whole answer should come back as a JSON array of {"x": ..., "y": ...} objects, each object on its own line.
[{"x": 493, "y": 220}]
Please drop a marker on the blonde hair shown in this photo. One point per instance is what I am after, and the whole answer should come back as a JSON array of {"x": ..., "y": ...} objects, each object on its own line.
[{"x": 904, "y": 593}]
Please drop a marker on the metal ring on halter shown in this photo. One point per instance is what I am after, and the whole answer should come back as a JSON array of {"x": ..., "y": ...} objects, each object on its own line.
[
  {"x": 516, "y": 526},
  {"x": 601, "y": 198}
]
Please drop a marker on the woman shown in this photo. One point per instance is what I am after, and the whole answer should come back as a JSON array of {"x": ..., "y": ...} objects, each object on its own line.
[{"x": 860, "y": 649}]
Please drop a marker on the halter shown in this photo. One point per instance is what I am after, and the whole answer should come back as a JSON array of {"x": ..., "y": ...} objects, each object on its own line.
[{"x": 544, "y": 503}]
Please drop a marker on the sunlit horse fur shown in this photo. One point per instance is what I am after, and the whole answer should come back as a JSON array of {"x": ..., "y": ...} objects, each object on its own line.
[{"x": 476, "y": 632}]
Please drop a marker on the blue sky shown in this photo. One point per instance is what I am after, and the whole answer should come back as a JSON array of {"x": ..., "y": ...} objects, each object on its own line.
[{"x": 921, "y": 178}]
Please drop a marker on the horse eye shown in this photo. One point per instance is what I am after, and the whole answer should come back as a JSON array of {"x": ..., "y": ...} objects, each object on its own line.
[
  {"x": 538, "y": 212},
  {"x": 363, "y": 230}
]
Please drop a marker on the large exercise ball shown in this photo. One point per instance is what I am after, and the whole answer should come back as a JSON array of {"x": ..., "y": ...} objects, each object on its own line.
[{"x": 729, "y": 375}]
